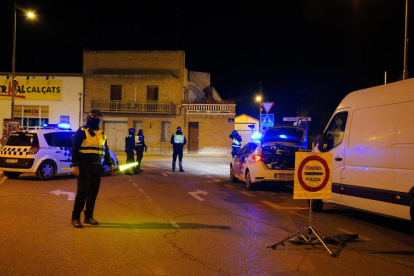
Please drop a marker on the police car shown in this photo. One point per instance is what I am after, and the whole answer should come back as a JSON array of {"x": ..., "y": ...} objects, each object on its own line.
[
  {"x": 45, "y": 152},
  {"x": 270, "y": 159}
]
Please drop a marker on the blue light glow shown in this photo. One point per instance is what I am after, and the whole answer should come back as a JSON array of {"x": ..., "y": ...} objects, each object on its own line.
[{"x": 256, "y": 136}]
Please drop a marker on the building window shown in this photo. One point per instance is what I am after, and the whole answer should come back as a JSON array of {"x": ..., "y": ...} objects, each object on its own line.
[
  {"x": 165, "y": 131},
  {"x": 152, "y": 93},
  {"x": 116, "y": 97},
  {"x": 65, "y": 119},
  {"x": 31, "y": 117}
]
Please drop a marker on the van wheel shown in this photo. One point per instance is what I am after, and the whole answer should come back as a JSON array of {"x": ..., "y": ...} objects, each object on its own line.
[
  {"x": 46, "y": 170},
  {"x": 317, "y": 205},
  {"x": 12, "y": 175},
  {"x": 232, "y": 177},
  {"x": 249, "y": 185}
]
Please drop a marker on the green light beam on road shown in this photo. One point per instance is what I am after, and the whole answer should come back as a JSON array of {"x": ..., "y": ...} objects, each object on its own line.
[{"x": 124, "y": 167}]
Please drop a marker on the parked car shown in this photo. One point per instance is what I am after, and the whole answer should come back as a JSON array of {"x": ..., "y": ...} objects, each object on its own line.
[
  {"x": 270, "y": 159},
  {"x": 45, "y": 152}
]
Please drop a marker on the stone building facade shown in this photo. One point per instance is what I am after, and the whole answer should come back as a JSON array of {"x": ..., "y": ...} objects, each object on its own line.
[{"x": 153, "y": 91}]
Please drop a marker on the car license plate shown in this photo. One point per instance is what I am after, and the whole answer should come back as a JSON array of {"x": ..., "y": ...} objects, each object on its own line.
[
  {"x": 11, "y": 161},
  {"x": 284, "y": 175}
]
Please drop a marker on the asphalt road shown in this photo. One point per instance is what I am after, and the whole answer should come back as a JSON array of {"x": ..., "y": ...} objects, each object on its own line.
[{"x": 191, "y": 223}]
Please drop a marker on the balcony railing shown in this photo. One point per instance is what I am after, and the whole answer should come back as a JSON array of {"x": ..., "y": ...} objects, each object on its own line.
[
  {"x": 211, "y": 108},
  {"x": 134, "y": 107}
]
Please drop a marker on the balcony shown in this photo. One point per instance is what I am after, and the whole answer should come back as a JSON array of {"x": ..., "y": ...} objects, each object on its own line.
[
  {"x": 152, "y": 107},
  {"x": 224, "y": 109}
]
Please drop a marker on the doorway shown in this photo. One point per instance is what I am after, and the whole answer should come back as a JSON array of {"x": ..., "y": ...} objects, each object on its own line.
[{"x": 193, "y": 137}]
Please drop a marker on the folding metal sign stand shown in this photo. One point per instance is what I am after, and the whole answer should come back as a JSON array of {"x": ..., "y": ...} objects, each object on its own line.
[{"x": 311, "y": 230}]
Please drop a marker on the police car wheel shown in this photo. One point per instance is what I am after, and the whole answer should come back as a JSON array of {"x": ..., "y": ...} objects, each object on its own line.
[
  {"x": 46, "y": 170},
  {"x": 11, "y": 175},
  {"x": 232, "y": 177},
  {"x": 249, "y": 185}
]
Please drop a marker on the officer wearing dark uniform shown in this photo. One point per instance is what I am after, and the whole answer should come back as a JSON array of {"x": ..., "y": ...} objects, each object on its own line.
[
  {"x": 237, "y": 141},
  {"x": 139, "y": 148},
  {"x": 178, "y": 141},
  {"x": 89, "y": 145},
  {"x": 129, "y": 148}
]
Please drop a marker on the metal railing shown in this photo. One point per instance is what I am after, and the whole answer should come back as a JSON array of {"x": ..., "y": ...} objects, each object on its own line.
[
  {"x": 210, "y": 108},
  {"x": 134, "y": 107}
]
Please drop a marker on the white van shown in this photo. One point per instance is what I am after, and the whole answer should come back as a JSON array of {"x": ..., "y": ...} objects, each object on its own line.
[{"x": 371, "y": 137}]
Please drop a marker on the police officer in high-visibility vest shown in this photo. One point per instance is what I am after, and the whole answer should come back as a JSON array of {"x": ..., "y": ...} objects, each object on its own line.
[
  {"x": 129, "y": 148},
  {"x": 178, "y": 141},
  {"x": 89, "y": 146},
  {"x": 237, "y": 141},
  {"x": 139, "y": 148}
]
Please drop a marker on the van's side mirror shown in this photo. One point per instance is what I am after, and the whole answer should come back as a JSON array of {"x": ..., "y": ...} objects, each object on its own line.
[{"x": 323, "y": 142}]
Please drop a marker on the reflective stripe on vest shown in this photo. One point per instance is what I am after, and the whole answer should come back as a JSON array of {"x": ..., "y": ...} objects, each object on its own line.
[
  {"x": 235, "y": 143},
  {"x": 93, "y": 144},
  {"x": 178, "y": 138}
]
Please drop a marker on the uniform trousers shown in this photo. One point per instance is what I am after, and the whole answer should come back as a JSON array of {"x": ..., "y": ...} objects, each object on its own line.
[{"x": 89, "y": 181}]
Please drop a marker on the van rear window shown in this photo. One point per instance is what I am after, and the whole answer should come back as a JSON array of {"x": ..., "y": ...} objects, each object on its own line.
[{"x": 22, "y": 139}]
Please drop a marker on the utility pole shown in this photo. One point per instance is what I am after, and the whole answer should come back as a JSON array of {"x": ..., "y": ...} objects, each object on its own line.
[{"x": 405, "y": 72}]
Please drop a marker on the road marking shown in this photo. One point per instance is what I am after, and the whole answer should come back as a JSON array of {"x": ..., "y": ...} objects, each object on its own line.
[
  {"x": 196, "y": 193},
  {"x": 217, "y": 180},
  {"x": 165, "y": 174},
  {"x": 267, "y": 194},
  {"x": 174, "y": 224},
  {"x": 141, "y": 191},
  {"x": 151, "y": 165},
  {"x": 135, "y": 184},
  {"x": 359, "y": 236},
  {"x": 230, "y": 186},
  {"x": 247, "y": 193},
  {"x": 299, "y": 215},
  {"x": 159, "y": 209},
  {"x": 71, "y": 195},
  {"x": 277, "y": 206}
]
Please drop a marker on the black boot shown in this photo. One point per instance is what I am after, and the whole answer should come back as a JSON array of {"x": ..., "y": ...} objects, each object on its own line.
[
  {"x": 173, "y": 166},
  {"x": 181, "y": 166}
]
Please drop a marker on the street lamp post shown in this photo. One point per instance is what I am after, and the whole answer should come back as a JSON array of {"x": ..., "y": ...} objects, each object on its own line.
[
  {"x": 30, "y": 15},
  {"x": 259, "y": 99}
]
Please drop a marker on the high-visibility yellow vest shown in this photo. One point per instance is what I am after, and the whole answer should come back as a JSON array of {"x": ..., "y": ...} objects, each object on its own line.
[
  {"x": 93, "y": 144},
  {"x": 178, "y": 138},
  {"x": 236, "y": 143}
]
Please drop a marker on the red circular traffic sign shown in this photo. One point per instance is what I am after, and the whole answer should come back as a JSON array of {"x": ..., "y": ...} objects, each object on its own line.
[{"x": 300, "y": 170}]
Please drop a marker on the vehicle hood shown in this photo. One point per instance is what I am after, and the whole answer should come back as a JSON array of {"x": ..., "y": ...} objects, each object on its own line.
[{"x": 284, "y": 135}]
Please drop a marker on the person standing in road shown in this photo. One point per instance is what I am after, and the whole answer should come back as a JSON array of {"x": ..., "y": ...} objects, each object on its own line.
[
  {"x": 178, "y": 141},
  {"x": 129, "y": 148},
  {"x": 139, "y": 148},
  {"x": 89, "y": 146},
  {"x": 237, "y": 141}
]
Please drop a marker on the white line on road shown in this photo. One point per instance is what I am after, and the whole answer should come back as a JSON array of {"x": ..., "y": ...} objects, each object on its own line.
[
  {"x": 198, "y": 192},
  {"x": 277, "y": 206},
  {"x": 3, "y": 179},
  {"x": 135, "y": 184},
  {"x": 141, "y": 191},
  {"x": 348, "y": 232},
  {"x": 299, "y": 215},
  {"x": 230, "y": 186},
  {"x": 165, "y": 174},
  {"x": 246, "y": 193},
  {"x": 267, "y": 194},
  {"x": 174, "y": 224}
]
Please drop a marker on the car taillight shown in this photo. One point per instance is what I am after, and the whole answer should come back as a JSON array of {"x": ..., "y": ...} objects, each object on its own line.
[
  {"x": 33, "y": 150},
  {"x": 257, "y": 158}
]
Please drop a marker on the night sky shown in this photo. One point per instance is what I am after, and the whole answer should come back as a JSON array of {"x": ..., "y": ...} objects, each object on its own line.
[{"x": 308, "y": 54}]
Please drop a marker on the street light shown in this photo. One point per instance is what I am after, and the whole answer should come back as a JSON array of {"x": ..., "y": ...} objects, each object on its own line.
[
  {"x": 259, "y": 99},
  {"x": 30, "y": 15}
]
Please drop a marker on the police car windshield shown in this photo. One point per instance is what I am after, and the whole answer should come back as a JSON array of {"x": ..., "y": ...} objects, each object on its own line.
[{"x": 22, "y": 139}]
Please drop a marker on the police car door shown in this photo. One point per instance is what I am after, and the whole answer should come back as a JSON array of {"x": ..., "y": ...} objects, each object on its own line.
[
  {"x": 63, "y": 142},
  {"x": 238, "y": 160}
]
